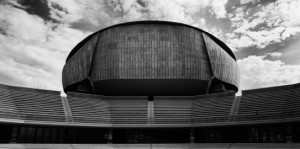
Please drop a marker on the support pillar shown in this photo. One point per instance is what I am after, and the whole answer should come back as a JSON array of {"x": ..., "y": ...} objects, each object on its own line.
[
  {"x": 288, "y": 134},
  {"x": 92, "y": 85},
  {"x": 15, "y": 134},
  {"x": 150, "y": 114},
  {"x": 110, "y": 136},
  {"x": 192, "y": 137},
  {"x": 67, "y": 109}
]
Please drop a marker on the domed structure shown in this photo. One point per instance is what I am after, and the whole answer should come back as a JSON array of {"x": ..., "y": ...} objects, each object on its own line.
[
  {"x": 159, "y": 70},
  {"x": 150, "y": 58}
]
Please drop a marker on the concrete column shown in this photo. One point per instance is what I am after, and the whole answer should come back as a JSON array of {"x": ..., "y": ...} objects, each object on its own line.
[
  {"x": 110, "y": 136},
  {"x": 15, "y": 134},
  {"x": 67, "y": 109},
  {"x": 192, "y": 137},
  {"x": 150, "y": 114}
]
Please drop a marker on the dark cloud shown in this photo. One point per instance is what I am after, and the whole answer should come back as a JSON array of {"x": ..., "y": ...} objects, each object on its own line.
[
  {"x": 3, "y": 25},
  {"x": 290, "y": 51},
  {"x": 37, "y": 7},
  {"x": 275, "y": 47},
  {"x": 240, "y": 54},
  {"x": 7, "y": 79},
  {"x": 222, "y": 23},
  {"x": 142, "y": 3},
  {"x": 231, "y": 5},
  {"x": 84, "y": 25}
]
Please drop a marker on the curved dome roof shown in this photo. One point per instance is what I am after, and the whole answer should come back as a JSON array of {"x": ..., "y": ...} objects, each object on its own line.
[
  {"x": 151, "y": 58},
  {"x": 80, "y": 44}
]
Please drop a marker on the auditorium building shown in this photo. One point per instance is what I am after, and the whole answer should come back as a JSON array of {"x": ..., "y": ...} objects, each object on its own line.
[{"x": 150, "y": 82}]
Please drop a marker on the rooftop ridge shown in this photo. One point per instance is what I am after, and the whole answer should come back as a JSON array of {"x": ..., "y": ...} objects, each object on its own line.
[
  {"x": 27, "y": 89},
  {"x": 274, "y": 88}
]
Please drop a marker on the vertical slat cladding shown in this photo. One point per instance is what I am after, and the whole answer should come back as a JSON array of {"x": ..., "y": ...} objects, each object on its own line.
[
  {"x": 150, "y": 51},
  {"x": 224, "y": 67},
  {"x": 78, "y": 66}
]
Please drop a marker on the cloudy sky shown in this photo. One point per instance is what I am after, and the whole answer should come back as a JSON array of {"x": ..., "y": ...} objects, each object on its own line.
[{"x": 37, "y": 35}]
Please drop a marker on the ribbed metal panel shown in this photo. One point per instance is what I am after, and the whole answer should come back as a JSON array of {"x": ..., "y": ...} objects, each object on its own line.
[
  {"x": 224, "y": 67},
  {"x": 147, "y": 51},
  {"x": 78, "y": 66},
  {"x": 150, "y": 51}
]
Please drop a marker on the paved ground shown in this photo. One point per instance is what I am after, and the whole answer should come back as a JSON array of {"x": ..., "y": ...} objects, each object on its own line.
[{"x": 156, "y": 146}]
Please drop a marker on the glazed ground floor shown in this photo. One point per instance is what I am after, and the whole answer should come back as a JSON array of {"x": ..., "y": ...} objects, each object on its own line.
[{"x": 263, "y": 133}]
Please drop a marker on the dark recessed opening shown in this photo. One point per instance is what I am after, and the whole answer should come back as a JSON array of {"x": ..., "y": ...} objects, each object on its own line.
[{"x": 150, "y": 98}]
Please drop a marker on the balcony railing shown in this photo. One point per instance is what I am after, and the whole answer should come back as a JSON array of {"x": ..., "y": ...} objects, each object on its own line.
[{"x": 155, "y": 120}]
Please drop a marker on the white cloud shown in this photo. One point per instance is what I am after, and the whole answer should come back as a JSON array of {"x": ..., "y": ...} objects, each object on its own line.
[
  {"x": 33, "y": 51},
  {"x": 116, "y": 11},
  {"x": 258, "y": 72},
  {"x": 66, "y": 10},
  {"x": 218, "y": 8},
  {"x": 243, "y": 41},
  {"x": 274, "y": 54},
  {"x": 23, "y": 26},
  {"x": 264, "y": 25}
]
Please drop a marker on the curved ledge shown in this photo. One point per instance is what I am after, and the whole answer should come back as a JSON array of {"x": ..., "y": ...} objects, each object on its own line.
[{"x": 228, "y": 121}]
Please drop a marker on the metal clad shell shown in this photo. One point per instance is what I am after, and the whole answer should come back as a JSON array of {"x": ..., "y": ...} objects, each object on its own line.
[
  {"x": 150, "y": 51},
  {"x": 224, "y": 67},
  {"x": 78, "y": 66}
]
